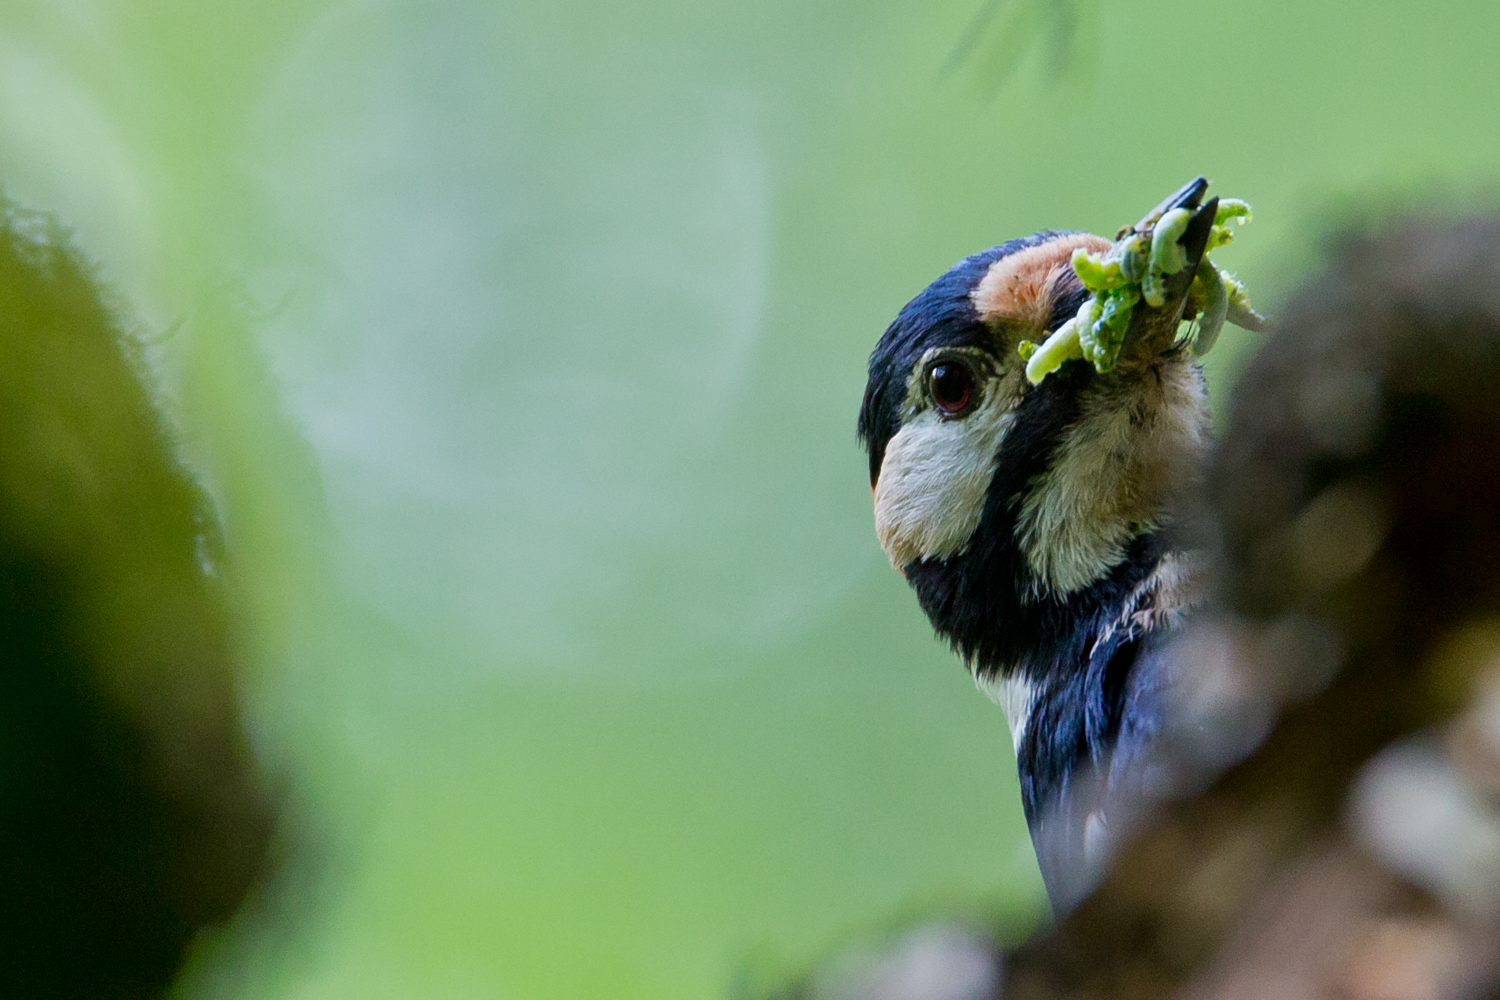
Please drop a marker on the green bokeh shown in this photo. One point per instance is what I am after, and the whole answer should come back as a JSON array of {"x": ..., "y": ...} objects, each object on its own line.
[{"x": 520, "y": 347}]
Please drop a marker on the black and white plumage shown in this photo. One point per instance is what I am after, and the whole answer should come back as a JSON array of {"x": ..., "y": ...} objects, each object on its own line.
[{"x": 1035, "y": 522}]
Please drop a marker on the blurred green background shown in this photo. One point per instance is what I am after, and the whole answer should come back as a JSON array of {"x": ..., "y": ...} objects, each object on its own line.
[{"x": 520, "y": 346}]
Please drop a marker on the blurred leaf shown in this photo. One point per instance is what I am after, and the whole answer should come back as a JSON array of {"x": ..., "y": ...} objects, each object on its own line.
[
  {"x": 131, "y": 817},
  {"x": 1003, "y": 33}
]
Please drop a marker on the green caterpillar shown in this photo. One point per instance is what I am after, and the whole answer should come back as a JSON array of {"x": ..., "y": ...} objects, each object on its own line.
[{"x": 1133, "y": 270}]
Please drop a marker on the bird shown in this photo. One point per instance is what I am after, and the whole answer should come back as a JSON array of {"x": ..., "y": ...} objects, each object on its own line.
[
  {"x": 1043, "y": 526},
  {"x": 1332, "y": 829}
]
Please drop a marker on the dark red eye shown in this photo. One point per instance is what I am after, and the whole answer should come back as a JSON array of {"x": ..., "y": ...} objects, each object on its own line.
[{"x": 952, "y": 386}]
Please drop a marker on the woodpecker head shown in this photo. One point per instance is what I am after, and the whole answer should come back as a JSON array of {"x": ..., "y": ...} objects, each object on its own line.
[
  {"x": 946, "y": 386},
  {"x": 1001, "y": 501},
  {"x": 1032, "y": 519}
]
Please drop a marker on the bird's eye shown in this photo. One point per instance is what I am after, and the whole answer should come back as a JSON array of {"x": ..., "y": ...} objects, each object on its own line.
[{"x": 952, "y": 386}]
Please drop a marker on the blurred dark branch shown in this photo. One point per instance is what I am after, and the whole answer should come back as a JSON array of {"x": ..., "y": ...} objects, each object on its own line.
[{"x": 1356, "y": 852}]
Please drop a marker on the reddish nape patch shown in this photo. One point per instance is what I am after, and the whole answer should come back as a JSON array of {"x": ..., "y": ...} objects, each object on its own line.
[{"x": 1019, "y": 288}]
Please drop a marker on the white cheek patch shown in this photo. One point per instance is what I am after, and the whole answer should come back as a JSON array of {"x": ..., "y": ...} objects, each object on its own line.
[{"x": 930, "y": 494}]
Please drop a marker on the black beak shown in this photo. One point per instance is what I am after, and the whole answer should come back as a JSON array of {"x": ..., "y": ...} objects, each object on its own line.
[
  {"x": 1190, "y": 195},
  {"x": 1152, "y": 331},
  {"x": 1193, "y": 242}
]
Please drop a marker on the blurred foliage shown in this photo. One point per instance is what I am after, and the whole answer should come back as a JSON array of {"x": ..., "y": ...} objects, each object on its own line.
[
  {"x": 1004, "y": 32},
  {"x": 129, "y": 815},
  {"x": 519, "y": 348}
]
